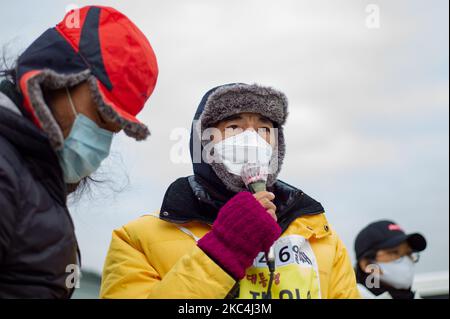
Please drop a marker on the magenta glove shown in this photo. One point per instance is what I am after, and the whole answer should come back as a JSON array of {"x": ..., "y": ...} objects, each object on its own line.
[{"x": 243, "y": 229}]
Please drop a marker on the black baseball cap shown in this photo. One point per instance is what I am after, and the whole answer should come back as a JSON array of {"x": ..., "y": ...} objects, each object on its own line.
[{"x": 385, "y": 234}]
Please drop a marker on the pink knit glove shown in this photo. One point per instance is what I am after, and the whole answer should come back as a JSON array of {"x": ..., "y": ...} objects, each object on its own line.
[{"x": 243, "y": 229}]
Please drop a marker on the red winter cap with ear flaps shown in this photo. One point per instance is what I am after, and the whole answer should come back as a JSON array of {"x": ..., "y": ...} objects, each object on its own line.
[{"x": 95, "y": 44}]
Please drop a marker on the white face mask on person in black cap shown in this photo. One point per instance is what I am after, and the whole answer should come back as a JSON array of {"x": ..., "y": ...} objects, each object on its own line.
[{"x": 399, "y": 273}]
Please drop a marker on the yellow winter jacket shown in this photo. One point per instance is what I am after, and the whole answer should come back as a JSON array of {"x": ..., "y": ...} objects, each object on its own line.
[{"x": 153, "y": 258}]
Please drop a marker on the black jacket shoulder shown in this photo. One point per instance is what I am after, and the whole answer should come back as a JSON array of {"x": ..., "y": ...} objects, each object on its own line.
[{"x": 37, "y": 237}]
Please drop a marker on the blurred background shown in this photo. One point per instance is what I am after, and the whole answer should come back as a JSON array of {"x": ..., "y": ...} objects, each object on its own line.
[{"x": 368, "y": 132}]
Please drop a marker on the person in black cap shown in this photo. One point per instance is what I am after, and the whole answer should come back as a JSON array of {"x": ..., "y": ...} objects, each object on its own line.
[{"x": 386, "y": 256}]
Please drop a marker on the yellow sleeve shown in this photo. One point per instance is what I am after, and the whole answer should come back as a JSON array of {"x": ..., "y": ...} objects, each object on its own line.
[
  {"x": 342, "y": 280},
  {"x": 128, "y": 274}
]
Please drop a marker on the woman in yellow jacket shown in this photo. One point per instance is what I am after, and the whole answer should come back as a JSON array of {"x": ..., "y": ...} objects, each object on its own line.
[{"x": 214, "y": 239}]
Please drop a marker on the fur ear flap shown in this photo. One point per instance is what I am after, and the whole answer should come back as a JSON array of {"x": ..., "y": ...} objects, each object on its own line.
[{"x": 53, "y": 81}]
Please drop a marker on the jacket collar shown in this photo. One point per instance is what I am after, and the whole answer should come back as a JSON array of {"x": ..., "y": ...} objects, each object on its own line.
[
  {"x": 9, "y": 89},
  {"x": 193, "y": 199}
]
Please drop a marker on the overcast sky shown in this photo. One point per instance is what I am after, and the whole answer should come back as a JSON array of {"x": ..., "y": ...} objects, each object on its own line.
[{"x": 367, "y": 134}]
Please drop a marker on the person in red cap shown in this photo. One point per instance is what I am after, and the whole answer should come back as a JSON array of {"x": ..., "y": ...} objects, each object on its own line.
[{"x": 71, "y": 90}]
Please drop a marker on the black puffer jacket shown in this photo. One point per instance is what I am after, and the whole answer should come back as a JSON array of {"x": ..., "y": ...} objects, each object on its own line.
[{"x": 37, "y": 239}]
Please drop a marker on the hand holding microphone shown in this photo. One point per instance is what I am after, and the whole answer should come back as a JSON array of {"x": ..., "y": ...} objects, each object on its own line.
[
  {"x": 254, "y": 177},
  {"x": 266, "y": 200},
  {"x": 243, "y": 228}
]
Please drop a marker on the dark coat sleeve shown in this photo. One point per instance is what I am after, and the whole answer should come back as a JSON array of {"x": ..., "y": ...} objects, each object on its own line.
[{"x": 8, "y": 204}]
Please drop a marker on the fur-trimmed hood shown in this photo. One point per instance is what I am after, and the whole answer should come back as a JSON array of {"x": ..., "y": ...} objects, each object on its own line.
[
  {"x": 237, "y": 98},
  {"x": 227, "y": 100}
]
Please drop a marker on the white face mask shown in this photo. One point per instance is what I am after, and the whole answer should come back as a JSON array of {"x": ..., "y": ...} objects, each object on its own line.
[
  {"x": 244, "y": 148},
  {"x": 398, "y": 273}
]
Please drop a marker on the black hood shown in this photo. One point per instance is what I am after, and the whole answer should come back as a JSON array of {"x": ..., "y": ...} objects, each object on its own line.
[
  {"x": 202, "y": 169},
  {"x": 32, "y": 144},
  {"x": 228, "y": 100}
]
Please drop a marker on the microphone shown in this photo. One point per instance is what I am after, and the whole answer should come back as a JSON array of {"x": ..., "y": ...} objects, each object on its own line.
[{"x": 254, "y": 177}]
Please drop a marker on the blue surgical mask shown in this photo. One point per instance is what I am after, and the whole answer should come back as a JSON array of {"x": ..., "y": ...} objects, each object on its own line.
[{"x": 84, "y": 149}]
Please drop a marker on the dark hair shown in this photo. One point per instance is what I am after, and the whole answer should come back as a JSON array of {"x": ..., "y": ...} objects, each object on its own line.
[
  {"x": 9, "y": 74},
  {"x": 8, "y": 68},
  {"x": 101, "y": 184}
]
